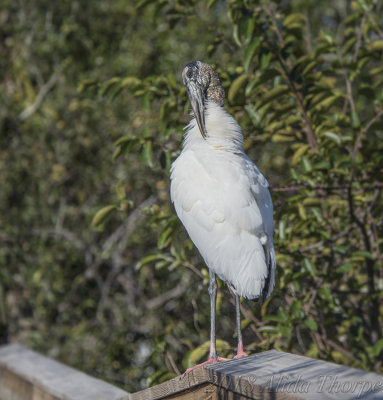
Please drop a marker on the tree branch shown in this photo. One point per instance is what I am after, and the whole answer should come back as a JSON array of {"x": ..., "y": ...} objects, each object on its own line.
[
  {"x": 363, "y": 132},
  {"x": 44, "y": 90}
]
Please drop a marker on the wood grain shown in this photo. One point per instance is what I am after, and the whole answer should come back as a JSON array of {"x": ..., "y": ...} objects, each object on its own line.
[
  {"x": 277, "y": 375},
  {"x": 272, "y": 375}
]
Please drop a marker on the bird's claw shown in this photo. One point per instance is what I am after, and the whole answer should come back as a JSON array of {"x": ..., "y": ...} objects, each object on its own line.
[
  {"x": 211, "y": 360},
  {"x": 241, "y": 354}
]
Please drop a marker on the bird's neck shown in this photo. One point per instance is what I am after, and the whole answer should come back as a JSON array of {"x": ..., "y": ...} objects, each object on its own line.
[{"x": 222, "y": 130}]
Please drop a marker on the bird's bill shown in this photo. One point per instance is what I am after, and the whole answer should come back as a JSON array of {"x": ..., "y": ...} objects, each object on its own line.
[{"x": 196, "y": 100}]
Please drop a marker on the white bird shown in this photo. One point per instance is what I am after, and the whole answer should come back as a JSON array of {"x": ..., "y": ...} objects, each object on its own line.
[{"x": 222, "y": 199}]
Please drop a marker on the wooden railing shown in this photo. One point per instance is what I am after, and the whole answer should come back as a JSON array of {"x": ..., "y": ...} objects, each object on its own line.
[{"x": 272, "y": 375}]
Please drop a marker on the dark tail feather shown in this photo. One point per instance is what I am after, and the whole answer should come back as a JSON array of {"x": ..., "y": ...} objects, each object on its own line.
[{"x": 271, "y": 264}]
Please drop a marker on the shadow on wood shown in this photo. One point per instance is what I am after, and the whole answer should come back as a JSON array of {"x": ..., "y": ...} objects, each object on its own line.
[{"x": 272, "y": 375}]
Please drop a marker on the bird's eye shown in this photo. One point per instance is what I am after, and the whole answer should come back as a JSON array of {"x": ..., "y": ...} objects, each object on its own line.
[{"x": 189, "y": 73}]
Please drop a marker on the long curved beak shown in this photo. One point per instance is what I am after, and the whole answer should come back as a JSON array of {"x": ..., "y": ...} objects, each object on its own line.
[{"x": 196, "y": 100}]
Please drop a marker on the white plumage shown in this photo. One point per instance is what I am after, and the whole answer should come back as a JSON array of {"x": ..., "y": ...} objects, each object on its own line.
[{"x": 223, "y": 201}]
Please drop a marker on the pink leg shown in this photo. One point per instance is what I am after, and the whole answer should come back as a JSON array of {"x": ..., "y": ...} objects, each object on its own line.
[
  {"x": 240, "y": 352},
  {"x": 213, "y": 358}
]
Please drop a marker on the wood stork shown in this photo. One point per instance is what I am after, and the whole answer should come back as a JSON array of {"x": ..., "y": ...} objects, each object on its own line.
[{"x": 222, "y": 199}]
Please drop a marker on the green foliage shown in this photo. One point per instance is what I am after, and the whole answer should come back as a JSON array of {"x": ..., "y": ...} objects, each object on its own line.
[{"x": 127, "y": 299}]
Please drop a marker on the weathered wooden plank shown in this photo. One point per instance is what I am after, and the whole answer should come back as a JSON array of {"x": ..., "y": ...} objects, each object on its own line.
[
  {"x": 27, "y": 375},
  {"x": 271, "y": 375},
  {"x": 201, "y": 392},
  {"x": 277, "y": 375},
  {"x": 192, "y": 381},
  {"x": 206, "y": 383}
]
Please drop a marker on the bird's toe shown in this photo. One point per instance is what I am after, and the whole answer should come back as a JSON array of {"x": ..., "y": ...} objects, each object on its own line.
[{"x": 241, "y": 354}]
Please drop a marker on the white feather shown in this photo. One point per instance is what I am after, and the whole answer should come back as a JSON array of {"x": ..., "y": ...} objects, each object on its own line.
[{"x": 224, "y": 203}]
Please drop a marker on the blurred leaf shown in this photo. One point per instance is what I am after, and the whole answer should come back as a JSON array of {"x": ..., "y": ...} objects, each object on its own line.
[
  {"x": 346, "y": 267},
  {"x": 108, "y": 86},
  {"x": 378, "y": 347},
  {"x": 211, "y": 3},
  {"x": 272, "y": 94},
  {"x": 150, "y": 258},
  {"x": 249, "y": 52},
  {"x": 333, "y": 136},
  {"x": 101, "y": 215},
  {"x": 147, "y": 153},
  {"x": 159, "y": 377},
  {"x": 165, "y": 237},
  {"x": 120, "y": 189},
  {"x": 376, "y": 46},
  {"x": 298, "y": 154},
  {"x": 362, "y": 254},
  {"x": 293, "y": 19},
  {"x": 265, "y": 59},
  {"x": 236, "y": 94},
  {"x": 311, "y": 324},
  {"x": 309, "y": 266},
  {"x": 306, "y": 165},
  {"x": 87, "y": 84},
  {"x": 269, "y": 328},
  {"x": 355, "y": 123},
  {"x": 254, "y": 116},
  {"x": 302, "y": 211}
]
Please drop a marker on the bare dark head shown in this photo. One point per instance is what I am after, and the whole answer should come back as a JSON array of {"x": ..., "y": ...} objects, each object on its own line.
[{"x": 202, "y": 84}]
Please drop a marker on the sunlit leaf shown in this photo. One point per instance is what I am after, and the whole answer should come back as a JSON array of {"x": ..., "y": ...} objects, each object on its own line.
[
  {"x": 376, "y": 46},
  {"x": 102, "y": 215},
  {"x": 333, "y": 136},
  {"x": 298, "y": 154},
  {"x": 236, "y": 94}
]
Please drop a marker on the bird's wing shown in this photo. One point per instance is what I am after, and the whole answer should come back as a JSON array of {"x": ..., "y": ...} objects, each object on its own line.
[
  {"x": 260, "y": 189},
  {"x": 223, "y": 188},
  {"x": 224, "y": 203}
]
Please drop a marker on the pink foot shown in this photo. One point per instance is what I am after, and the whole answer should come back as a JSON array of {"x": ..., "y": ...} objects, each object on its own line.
[
  {"x": 211, "y": 360},
  {"x": 241, "y": 354}
]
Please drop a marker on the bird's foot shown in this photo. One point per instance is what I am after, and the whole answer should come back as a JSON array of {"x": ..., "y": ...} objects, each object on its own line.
[
  {"x": 241, "y": 354},
  {"x": 211, "y": 360}
]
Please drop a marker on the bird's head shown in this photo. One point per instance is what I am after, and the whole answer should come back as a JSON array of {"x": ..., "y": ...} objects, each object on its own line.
[{"x": 202, "y": 84}]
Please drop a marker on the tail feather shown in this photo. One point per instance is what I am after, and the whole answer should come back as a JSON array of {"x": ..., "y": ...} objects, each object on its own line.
[{"x": 271, "y": 265}]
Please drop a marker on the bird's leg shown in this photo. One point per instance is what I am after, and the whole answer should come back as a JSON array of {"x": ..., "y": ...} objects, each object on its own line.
[
  {"x": 213, "y": 301},
  {"x": 213, "y": 357},
  {"x": 240, "y": 352}
]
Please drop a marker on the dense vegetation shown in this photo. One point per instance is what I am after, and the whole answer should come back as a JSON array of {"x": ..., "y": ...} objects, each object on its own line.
[{"x": 95, "y": 268}]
